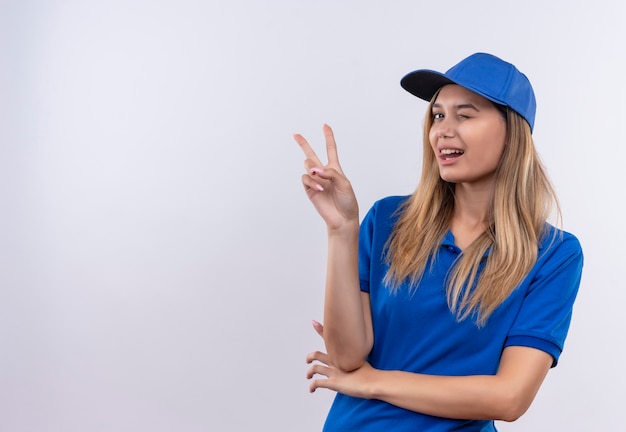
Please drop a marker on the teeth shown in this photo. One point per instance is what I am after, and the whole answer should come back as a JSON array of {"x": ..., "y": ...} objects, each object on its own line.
[{"x": 451, "y": 151}]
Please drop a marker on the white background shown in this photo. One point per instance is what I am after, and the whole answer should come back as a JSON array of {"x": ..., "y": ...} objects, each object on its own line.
[{"x": 159, "y": 262}]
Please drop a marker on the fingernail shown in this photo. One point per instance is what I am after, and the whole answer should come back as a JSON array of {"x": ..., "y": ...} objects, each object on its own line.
[
  {"x": 319, "y": 188},
  {"x": 316, "y": 170},
  {"x": 315, "y": 323}
]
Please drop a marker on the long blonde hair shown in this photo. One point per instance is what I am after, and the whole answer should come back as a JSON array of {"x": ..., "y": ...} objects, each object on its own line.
[{"x": 522, "y": 201}]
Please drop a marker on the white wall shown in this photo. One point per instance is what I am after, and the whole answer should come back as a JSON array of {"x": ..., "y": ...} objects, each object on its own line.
[{"x": 159, "y": 262}]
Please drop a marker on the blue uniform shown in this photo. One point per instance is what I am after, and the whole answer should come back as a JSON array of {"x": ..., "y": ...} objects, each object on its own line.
[{"x": 415, "y": 331}]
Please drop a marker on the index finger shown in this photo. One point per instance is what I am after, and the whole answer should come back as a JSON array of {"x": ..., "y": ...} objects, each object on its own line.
[{"x": 306, "y": 148}]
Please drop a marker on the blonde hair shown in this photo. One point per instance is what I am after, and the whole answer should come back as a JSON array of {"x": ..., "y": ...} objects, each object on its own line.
[{"x": 522, "y": 201}]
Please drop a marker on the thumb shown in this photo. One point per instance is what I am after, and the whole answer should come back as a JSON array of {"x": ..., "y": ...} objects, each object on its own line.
[{"x": 319, "y": 328}]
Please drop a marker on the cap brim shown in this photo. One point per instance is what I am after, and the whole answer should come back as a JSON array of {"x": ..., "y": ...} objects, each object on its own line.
[{"x": 424, "y": 83}]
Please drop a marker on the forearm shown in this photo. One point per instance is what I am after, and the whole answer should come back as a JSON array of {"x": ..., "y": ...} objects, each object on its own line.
[
  {"x": 346, "y": 331},
  {"x": 467, "y": 397},
  {"x": 504, "y": 396}
]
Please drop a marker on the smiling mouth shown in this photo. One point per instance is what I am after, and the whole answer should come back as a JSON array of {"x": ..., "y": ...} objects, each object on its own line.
[{"x": 447, "y": 154}]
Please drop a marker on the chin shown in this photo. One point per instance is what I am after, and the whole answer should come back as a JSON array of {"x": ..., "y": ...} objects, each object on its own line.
[{"x": 449, "y": 178}]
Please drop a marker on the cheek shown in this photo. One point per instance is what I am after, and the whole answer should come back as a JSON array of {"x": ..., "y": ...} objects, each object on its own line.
[
  {"x": 432, "y": 138},
  {"x": 494, "y": 138},
  {"x": 500, "y": 144},
  {"x": 496, "y": 151}
]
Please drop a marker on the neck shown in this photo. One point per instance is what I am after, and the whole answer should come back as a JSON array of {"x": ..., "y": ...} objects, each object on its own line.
[{"x": 471, "y": 213}]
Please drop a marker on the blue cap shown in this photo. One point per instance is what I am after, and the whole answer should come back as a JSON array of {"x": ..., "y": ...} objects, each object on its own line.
[{"x": 485, "y": 74}]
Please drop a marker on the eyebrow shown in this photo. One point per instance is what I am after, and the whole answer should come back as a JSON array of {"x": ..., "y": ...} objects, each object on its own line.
[{"x": 458, "y": 107}]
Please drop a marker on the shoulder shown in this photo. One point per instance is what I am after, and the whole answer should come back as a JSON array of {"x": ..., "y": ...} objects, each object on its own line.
[
  {"x": 388, "y": 206},
  {"x": 382, "y": 216},
  {"x": 556, "y": 241},
  {"x": 560, "y": 258}
]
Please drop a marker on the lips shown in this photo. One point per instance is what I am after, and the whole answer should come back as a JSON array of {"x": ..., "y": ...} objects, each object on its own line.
[{"x": 449, "y": 153}]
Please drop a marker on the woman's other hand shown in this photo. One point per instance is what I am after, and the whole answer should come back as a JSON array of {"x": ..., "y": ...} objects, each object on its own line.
[{"x": 323, "y": 374}]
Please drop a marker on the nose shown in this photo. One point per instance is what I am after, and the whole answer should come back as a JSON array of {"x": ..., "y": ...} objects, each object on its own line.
[{"x": 442, "y": 129}]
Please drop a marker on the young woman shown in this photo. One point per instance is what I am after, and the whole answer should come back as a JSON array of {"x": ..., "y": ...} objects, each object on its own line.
[{"x": 445, "y": 310}]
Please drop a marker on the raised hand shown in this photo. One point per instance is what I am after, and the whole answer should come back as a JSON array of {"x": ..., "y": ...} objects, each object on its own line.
[{"x": 326, "y": 185}]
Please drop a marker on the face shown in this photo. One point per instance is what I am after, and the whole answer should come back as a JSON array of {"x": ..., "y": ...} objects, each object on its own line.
[{"x": 468, "y": 135}]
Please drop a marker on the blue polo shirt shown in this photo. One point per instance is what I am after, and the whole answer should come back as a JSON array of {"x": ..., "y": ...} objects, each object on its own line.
[{"x": 415, "y": 331}]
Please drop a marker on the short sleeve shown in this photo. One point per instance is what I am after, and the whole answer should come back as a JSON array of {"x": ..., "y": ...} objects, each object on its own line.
[
  {"x": 546, "y": 311},
  {"x": 366, "y": 234},
  {"x": 374, "y": 233}
]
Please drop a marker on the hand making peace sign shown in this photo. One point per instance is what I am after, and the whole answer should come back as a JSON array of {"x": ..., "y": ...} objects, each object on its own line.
[{"x": 326, "y": 185}]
